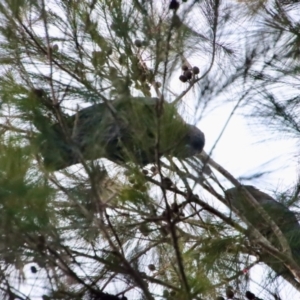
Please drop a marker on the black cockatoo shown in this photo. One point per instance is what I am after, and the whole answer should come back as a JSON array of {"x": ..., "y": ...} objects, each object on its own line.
[
  {"x": 129, "y": 129},
  {"x": 279, "y": 213}
]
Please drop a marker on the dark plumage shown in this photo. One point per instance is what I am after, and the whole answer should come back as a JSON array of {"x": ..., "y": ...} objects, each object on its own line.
[
  {"x": 279, "y": 213},
  {"x": 129, "y": 134}
]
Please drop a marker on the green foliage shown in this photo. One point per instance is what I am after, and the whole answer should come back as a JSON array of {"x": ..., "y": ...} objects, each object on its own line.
[
  {"x": 90, "y": 229},
  {"x": 25, "y": 203}
]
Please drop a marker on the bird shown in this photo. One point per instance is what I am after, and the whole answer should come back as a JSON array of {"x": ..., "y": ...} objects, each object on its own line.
[
  {"x": 128, "y": 129},
  {"x": 284, "y": 218}
]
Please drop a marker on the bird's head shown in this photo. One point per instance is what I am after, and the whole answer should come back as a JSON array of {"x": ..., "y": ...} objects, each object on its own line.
[{"x": 194, "y": 141}]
